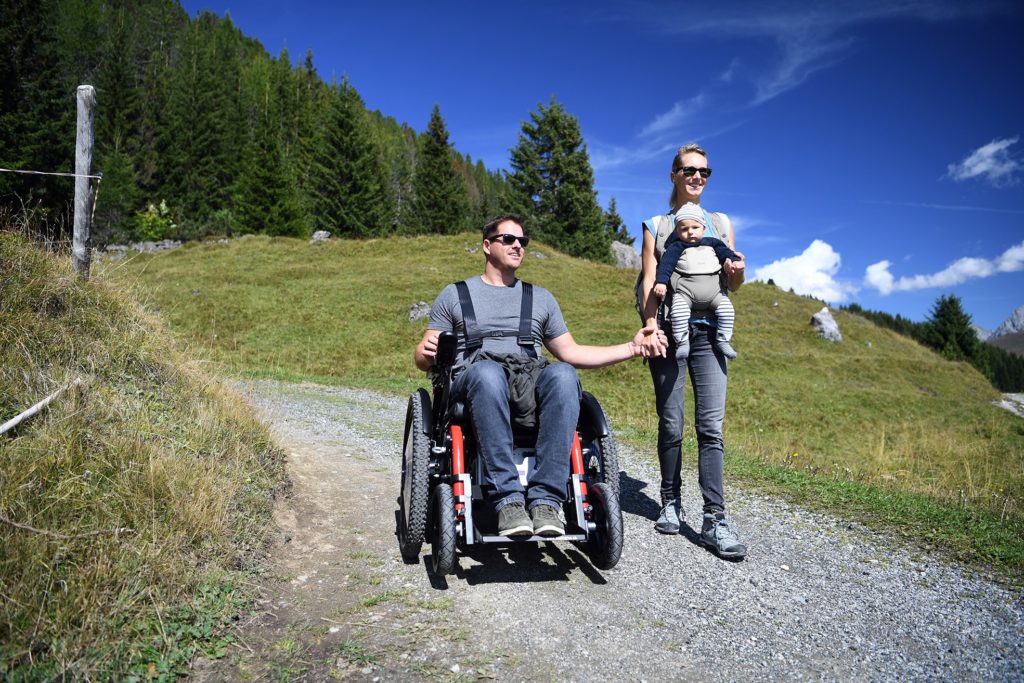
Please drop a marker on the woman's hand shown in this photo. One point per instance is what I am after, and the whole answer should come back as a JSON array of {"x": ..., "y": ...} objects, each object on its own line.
[
  {"x": 732, "y": 267},
  {"x": 651, "y": 341},
  {"x": 735, "y": 271}
]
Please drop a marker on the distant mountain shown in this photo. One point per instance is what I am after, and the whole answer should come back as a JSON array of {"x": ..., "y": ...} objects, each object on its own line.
[
  {"x": 981, "y": 332},
  {"x": 1013, "y": 324},
  {"x": 1012, "y": 343}
]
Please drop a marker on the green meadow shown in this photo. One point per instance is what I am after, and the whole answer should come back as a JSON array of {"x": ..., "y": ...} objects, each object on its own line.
[{"x": 877, "y": 428}]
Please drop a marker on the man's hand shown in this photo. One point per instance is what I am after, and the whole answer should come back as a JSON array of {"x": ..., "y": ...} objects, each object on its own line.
[
  {"x": 660, "y": 290},
  {"x": 426, "y": 350}
]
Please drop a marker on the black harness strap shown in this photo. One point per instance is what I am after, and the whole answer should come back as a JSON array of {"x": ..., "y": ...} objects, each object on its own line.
[{"x": 475, "y": 339}]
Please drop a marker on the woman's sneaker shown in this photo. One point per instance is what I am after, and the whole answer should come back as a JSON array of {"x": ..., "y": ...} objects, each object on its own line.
[
  {"x": 513, "y": 521},
  {"x": 719, "y": 537},
  {"x": 546, "y": 521},
  {"x": 668, "y": 521}
]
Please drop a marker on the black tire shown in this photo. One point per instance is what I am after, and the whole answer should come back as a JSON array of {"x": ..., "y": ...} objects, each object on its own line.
[
  {"x": 442, "y": 530},
  {"x": 605, "y": 467},
  {"x": 413, "y": 496},
  {"x": 604, "y": 545}
]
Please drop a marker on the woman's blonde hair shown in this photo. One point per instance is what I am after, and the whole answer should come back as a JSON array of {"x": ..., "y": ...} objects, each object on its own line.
[{"x": 677, "y": 163}]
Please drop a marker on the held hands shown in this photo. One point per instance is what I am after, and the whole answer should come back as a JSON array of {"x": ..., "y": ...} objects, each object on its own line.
[
  {"x": 660, "y": 290},
  {"x": 732, "y": 267},
  {"x": 651, "y": 341}
]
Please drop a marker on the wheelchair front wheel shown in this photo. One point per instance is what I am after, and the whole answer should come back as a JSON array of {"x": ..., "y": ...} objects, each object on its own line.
[
  {"x": 604, "y": 544},
  {"x": 442, "y": 532}
]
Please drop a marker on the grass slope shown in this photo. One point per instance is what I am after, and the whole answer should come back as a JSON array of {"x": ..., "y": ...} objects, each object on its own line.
[
  {"x": 133, "y": 506},
  {"x": 877, "y": 426}
]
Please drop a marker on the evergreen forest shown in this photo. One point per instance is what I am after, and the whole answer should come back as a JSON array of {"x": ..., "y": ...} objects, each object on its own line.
[{"x": 200, "y": 131}]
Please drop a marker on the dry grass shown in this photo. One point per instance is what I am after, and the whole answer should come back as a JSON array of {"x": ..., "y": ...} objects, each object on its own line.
[{"x": 127, "y": 504}]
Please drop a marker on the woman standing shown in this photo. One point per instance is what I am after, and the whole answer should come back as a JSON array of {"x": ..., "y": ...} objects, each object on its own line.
[{"x": 708, "y": 369}]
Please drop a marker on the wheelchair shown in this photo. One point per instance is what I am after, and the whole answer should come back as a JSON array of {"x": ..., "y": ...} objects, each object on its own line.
[{"x": 444, "y": 496}]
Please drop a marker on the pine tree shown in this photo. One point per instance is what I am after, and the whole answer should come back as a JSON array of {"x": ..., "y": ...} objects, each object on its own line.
[
  {"x": 948, "y": 330},
  {"x": 348, "y": 182},
  {"x": 202, "y": 139},
  {"x": 398, "y": 144},
  {"x": 615, "y": 226},
  {"x": 552, "y": 183},
  {"x": 441, "y": 204},
  {"x": 267, "y": 200},
  {"x": 37, "y": 105}
]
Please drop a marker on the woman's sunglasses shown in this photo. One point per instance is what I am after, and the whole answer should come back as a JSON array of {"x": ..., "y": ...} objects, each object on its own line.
[
  {"x": 508, "y": 239},
  {"x": 690, "y": 170}
]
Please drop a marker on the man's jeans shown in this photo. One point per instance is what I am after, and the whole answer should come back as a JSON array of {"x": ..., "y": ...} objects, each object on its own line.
[
  {"x": 483, "y": 388},
  {"x": 709, "y": 375}
]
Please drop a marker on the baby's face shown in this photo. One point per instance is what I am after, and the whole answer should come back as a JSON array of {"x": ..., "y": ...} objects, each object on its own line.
[{"x": 690, "y": 230}]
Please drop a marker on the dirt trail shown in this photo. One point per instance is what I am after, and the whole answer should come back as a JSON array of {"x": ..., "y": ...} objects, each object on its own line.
[{"x": 816, "y": 599}]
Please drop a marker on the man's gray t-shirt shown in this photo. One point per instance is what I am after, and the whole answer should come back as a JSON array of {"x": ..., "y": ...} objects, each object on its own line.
[{"x": 497, "y": 308}]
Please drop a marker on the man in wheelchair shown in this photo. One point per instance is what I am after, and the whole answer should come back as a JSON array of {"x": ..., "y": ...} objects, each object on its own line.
[{"x": 501, "y": 323}]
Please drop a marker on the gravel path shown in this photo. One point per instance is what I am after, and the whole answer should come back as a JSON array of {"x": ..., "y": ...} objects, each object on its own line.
[{"x": 816, "y": 599}]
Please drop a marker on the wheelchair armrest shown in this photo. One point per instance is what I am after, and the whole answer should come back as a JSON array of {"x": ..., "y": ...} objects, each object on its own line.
[{"x": 447, "y": 348}]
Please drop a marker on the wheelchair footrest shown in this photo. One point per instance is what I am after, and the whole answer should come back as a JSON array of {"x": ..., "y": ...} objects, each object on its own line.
[{"x": 523, "y": 539}]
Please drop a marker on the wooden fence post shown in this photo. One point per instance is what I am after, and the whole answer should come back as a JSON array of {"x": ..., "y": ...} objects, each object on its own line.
[{"x": 80, "y": 254}]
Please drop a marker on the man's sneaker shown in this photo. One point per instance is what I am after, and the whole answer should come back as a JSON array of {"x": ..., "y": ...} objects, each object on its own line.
[
  {"x": 668, "y": 520},
  {"x": 546, "y": 521},
  {"x": 513, "y": 521},
  {"x": 718, "y": 536}
]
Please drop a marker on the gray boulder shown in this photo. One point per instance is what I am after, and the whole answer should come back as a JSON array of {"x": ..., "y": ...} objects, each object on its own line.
[
  {"x": 418, "y": 311},
  {"x": 826, "y": 325},
  {"x": 625, "y": 256},
  {"x": 320, "y": 236}
]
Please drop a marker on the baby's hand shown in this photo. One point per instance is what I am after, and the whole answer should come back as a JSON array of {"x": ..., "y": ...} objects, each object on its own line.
[{"x": 660, "y": 290}]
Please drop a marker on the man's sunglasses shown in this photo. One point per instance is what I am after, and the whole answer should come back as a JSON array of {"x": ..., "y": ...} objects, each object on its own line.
[
  {"x": 508, "y": 239},
  {"x": 690, "y": 170}
]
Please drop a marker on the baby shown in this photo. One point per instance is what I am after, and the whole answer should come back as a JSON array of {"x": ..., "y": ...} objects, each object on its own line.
[{"x": 692, "y": 264}]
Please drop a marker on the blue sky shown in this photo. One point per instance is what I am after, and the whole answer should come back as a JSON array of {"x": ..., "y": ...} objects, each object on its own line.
[{"x": 866, "y": 150}]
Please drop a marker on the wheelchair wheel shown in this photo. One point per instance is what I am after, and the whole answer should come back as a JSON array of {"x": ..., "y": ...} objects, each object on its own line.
[
  {"x": 605, "y": 544},
  {"x": 607, "y": 459},
  {"x": 442, "y": 531},
  {"x": 601, "y": 463},
  {"x": 415, "y": 480}
]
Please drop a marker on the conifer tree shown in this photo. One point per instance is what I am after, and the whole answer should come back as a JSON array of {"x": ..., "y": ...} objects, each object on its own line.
[
  {"x": 36, "y": 104},
  {"x": 552, "y": 184},
  {"x": 441, "y": 204},
  {"x": 348, "y": 181},
  {"x": 267, "y": 201},
  {"x": 615, "y": 225},
  {"x": 202, "y": 139},
  {"x": 948, "y": 330}
]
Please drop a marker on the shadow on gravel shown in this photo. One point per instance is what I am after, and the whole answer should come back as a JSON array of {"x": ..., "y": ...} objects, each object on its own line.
[
  {"x": 634, "y": 501},
  {"x": 518, "y": 563}
]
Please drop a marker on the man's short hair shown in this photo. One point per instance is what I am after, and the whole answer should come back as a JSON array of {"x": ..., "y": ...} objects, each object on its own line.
[{"x": 492, "y": 225}]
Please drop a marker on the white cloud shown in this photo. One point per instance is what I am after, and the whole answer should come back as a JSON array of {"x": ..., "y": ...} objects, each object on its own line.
[
  {"x": 812, "y": 272},
  {"x": 679, "y": 112},
  {"x": 877, "y": 275},
  {"x": 992, "y": 162},
  {"x": 730, "y": 71}
]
